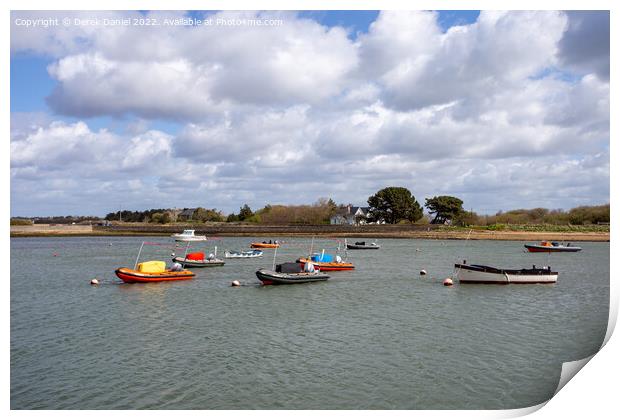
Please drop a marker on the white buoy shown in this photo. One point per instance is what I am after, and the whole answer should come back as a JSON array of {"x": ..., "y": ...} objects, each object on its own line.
[
  {"x": 94, "y": 282},
  {"x": 236, "y": 283},
  {"x": 422, "y": 272},
  {"x": 173, "y": 254},
  {"x": 447, "y": 282}
]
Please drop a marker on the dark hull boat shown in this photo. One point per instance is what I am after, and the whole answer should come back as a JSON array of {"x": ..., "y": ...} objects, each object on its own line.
[
  {"x": 273, "y": 277},
  {"x": 289, "y": 273},
  {"x": 551, "y": 247},
  {"x": 490, "y": 275},
  {"x": 363, "y": 245}
]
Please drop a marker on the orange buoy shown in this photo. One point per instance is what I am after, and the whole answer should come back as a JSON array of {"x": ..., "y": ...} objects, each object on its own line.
[
  {"x": 447, "y": 282},
  {"x": 236, "y": 283}
]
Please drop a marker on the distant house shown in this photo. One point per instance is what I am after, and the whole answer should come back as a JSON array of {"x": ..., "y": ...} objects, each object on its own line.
[
  {"x": 351, "y": 215},
  {"x": 186, "y": 214}
]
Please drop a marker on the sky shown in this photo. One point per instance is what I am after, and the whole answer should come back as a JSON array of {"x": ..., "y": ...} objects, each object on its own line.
[{"x": 504, "y": 110}]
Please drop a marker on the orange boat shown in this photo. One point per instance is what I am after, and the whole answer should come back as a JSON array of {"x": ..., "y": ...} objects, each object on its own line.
[
  {"x": 134, "y": 276},
  {"x": 151, "y": 271},
  {"x": 264, "y": 245},
  {"x": 327, "y": 266}
]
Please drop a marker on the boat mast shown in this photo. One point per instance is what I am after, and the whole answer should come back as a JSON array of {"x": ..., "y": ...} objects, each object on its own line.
[
  {"x": 135, "y": 266},
  {"x": 274, "y": 258},
  {"x": 185, "y": 254}
]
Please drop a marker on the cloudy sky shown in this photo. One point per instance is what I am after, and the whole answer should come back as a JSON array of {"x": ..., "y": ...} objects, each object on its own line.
[{"x": 502, "y": 109}]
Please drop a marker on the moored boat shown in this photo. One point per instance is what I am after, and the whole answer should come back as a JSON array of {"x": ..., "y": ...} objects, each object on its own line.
[
  {"x": 197, "y": 259},
  {"x": 289, "y": 273},
  {"x": 363, "y": 245},
  {"x": 269, "y": 244},
  {"x": 152, "y": 271},
  {"x": 547, "y": 246},
  {"x": 188, "y": 235},
  {"x": 474, "y": 273},
  {"x": 326, "y": 262},
  {"x": 244, "y": 254}
]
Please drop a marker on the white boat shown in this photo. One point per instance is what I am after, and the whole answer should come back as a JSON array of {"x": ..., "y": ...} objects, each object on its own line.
[
  {"x": 490, "y": 275},
  {"x": 188, "y": 236},
  {"x": 243, "y": 254}
]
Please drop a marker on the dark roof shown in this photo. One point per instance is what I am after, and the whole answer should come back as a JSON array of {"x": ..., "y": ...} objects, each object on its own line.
[
  {"x": 364, "y": 209},
  {"x": 187, "y": 212}
]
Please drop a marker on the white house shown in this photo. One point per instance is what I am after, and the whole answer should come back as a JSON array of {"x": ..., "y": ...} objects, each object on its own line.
[{"x": 351, "y": 215}]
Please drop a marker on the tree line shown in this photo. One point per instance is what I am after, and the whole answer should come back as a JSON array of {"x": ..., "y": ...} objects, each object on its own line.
[{"x": 388, "y": 205}]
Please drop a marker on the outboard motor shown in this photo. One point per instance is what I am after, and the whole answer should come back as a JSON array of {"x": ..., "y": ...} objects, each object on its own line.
[
  {"x": 176, "y": 267},
  {"x": 309, "y": 267},
  {"x": 338, "y": 259}
]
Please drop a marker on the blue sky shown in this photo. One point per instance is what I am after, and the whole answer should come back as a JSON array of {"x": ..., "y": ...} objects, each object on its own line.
[{"x": 222, "y": 116}]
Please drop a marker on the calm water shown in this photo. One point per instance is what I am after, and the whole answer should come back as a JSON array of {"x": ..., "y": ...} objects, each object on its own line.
[{"x": 379, "y": 337}]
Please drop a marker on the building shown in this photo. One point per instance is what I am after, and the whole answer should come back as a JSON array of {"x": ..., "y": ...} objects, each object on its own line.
[
  {"x": 186, "y": 214},
  {"x": 351, "y": 215}
]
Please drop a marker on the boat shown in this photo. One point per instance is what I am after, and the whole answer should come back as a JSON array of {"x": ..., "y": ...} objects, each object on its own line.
[
  {"x": 197, "y": 259},
  {"x": 269, "y": 244},
  {"x": 326, "y": 262},
  {"x": 475, "y": 273},
  {"x": 188, "y": 235},
  {"x": 152, "y": 271},
  {"x": 244, "y": 254},
  {"x": 363, "y": 245},
  {"x": 546, "y": 246},
  {"x": 289, "y": 273}
]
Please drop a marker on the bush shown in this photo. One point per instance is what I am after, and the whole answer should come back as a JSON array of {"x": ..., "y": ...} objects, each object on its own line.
[{"x": 21, "y": 222}]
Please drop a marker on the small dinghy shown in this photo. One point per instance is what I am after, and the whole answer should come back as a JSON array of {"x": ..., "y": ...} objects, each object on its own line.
[
  {"x": 290, "y": 273},
  {"x": 152, "y": 271},
  {"x": 363, "y": 245},
  {"x": 263, "y": 244},
  {"x": 197, "y": 259},
  {"x": 547, "y": 246},
  {"x": 244, "y": 254},
  {"x": 490, "y": 275}
]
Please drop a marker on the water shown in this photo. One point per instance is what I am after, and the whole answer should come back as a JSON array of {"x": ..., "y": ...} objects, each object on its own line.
[{"x": 379, "y": 337}]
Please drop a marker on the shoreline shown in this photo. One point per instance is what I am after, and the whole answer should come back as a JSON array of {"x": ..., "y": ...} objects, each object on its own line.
[{"x": 393, "y": 232}]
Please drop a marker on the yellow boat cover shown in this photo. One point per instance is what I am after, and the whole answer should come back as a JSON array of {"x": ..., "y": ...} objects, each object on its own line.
[{"x": 152, "y": 267}]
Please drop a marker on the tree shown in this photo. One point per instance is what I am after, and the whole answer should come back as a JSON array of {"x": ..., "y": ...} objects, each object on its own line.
[
  {"x": 245, "y": 212},
  {"x": 444, "y": 207},
  {"x": 207, "y": 215},
  {"x": 393, "y": 204}
]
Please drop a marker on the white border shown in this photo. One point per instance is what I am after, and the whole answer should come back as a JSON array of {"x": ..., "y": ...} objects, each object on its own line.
[{"x": 592, "y": 393}]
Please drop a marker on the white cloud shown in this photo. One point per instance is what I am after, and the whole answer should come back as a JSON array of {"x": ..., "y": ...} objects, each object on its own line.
[
  {"x": 191, "y": 72},
  {"x": 292, "y": 113}
]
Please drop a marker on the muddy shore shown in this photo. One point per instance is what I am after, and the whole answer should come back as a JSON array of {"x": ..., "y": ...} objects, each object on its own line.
[{"x": 368, "y": 231}]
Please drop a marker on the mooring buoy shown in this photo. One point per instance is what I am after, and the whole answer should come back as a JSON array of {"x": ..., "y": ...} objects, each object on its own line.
[
  {"x": 447, "y": 282},
  {"x": 94, "y": 282},
  {"x": 236, "y": 283}
]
